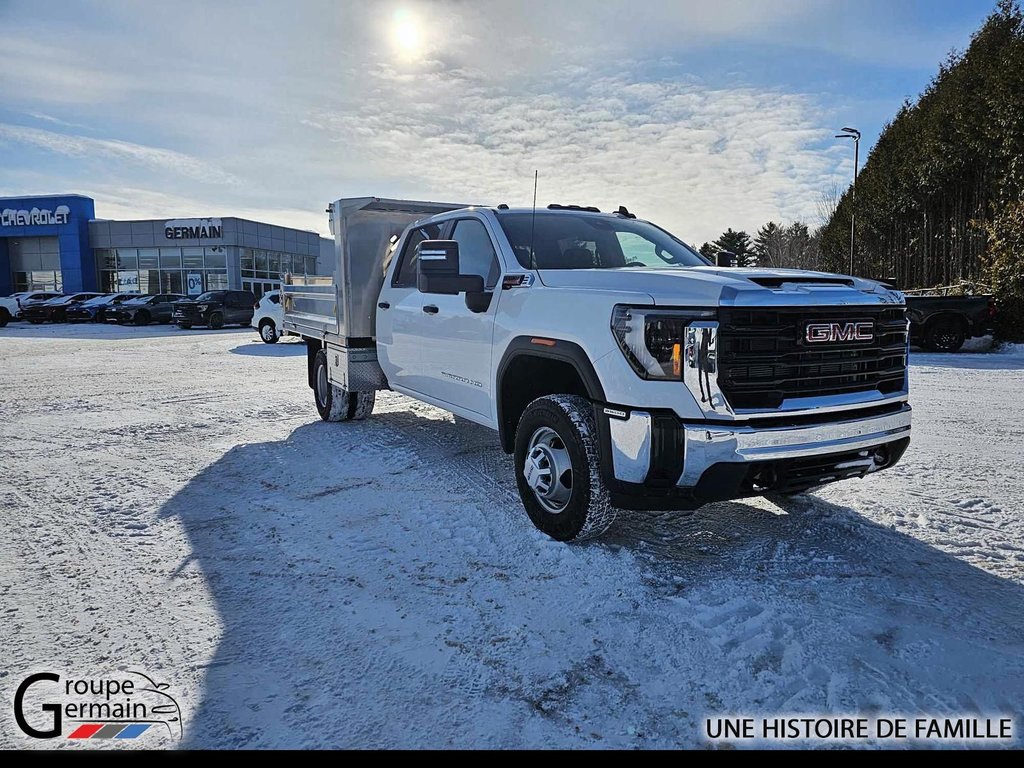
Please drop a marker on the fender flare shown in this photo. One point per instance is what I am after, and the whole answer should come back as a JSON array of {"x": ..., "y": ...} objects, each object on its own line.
[{"x": 554, "y": 349}]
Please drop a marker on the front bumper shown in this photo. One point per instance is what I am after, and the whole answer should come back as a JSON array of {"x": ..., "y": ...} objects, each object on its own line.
[{"x": 658, "y": 462}]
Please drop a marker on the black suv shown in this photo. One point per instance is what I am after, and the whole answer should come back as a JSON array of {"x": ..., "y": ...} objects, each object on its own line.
[
  {"x": 216, "y": 309},
  {"x": 145, "y": 309}
]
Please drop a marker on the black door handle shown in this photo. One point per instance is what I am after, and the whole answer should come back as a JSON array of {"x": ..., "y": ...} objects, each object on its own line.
[
  {"x": 430, "y": 309},
  {"x": 384, "y": 305}
]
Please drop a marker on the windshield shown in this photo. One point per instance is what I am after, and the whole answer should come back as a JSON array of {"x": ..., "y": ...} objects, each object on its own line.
[
  {"x": 58, "y": 300},
  {"x": 211, "y": 296},
  {"x": 98, "y": 300},
  {"x": 584, "y": 241},
  {"x": 140, "y": 300}
]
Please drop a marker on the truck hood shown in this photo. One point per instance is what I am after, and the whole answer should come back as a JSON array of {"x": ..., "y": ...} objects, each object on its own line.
[{"x": 711, "y": 286}]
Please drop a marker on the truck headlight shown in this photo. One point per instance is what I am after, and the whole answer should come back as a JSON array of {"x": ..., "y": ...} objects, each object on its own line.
[
  {"x": 651, "y": 338},
  {"x": 202, "y": 308}
]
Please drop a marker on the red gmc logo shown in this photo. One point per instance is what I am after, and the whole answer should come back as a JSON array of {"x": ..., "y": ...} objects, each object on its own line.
[{"x": 825, "y": 333}]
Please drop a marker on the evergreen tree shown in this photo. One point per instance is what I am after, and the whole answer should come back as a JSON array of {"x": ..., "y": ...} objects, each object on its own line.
[
  {"x": 737, "y": 243},
  {"x": 769, "y": 245},
  {"x": 943, "y": 172},
  {"x": 709, "y": 251}
]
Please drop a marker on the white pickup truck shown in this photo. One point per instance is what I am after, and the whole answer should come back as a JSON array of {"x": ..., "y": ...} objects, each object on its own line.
[{"x": 619, "y": 367}]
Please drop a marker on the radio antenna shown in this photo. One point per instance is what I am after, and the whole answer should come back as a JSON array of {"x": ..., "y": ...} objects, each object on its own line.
[{"x": 533, "y": 221}]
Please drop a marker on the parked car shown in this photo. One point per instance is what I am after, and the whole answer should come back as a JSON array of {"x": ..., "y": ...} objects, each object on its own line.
[
  {"x": 268, "y": 317},
  {"x": 216, "y": 309},
  {"x": 95, "y": 310},
  {"x": 54, "y": 310},
  {"x": 10, "y": 306},
  {"x": 943, "y": 323},
  {"x": 143, "y": 310}
]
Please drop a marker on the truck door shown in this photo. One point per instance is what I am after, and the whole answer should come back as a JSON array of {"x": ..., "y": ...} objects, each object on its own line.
[
  {"x": 400, "y": 316},
  {"x": 454, "y": 343}
]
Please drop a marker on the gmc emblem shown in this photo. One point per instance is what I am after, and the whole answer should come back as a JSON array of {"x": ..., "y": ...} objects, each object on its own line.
[{"x": 827, "y": 333}]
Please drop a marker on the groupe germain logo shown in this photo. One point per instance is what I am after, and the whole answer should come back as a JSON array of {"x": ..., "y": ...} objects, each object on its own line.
[
  {"x": 825, "y": 333},
  {"x": 119, "y": 707},
  {"x": 193, "y": 229},
  {"x": 14, "y": 217}
]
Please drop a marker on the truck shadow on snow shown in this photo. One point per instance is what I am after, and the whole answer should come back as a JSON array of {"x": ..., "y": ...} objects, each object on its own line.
[{"x": 377, "y": 584}]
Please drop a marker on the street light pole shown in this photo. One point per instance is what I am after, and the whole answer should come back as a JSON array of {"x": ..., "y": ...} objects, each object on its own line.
[{"x": 853, "y": 133}]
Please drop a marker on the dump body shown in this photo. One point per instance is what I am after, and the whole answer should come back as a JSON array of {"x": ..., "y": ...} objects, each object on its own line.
[{"x": 341, "y": 308}]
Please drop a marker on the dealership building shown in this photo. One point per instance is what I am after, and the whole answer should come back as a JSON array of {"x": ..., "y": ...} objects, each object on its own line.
[{"x": 55, "y": 242}]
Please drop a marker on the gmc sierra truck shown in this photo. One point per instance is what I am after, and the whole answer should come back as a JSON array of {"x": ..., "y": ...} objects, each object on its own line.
[{"x": 619, "y": 367}]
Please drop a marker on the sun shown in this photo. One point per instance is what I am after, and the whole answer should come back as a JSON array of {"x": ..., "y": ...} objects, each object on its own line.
[{"x": 406, "y": 35}]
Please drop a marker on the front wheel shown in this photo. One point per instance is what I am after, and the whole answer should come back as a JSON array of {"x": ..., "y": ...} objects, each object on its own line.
[
  {"x": 216, "y": 321},
  {"x": 5, "y": 317},
  {"x": 945, "y": 336},
  {"x": 558, "y": 469},
  {"x": 185, "y": 326},
  {"x": 142, "y": 318},
  {"x": 268, "y": 332},
  {"x": 334, "y": 403}
]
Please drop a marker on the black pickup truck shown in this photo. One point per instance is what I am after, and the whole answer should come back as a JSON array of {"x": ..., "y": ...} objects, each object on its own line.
[{"x": 943, "y": 323}]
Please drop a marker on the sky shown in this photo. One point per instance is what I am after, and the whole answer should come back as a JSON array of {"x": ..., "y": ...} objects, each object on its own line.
[{"x": 697, "y": 115}]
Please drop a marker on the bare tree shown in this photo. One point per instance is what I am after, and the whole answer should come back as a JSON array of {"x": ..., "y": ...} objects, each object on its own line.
[{"x": 828, "y": 202}]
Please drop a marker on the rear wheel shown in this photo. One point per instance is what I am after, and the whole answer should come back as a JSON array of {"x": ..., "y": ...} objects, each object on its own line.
[
  {"x": 334, "y": 403},
  {"x": 216, "y": 321},
  {"x": 945, "y": 335},
  {"x": 558, "y": 469},
  {"x": 268, "y": 332},
  {"x": 5, "y": 317}
]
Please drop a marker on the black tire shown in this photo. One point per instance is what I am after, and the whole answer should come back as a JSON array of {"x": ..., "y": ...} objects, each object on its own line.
[
  {"x": 945, "y": 335},
  {"x": 185, "y": 326},
  {"x": 142, "y": 317},
  {"x": 35, "y": 321},
  {"x": 5, "y": 317},
  {"x": 268, "y": 332},
  {"x": 332, "y": 402},
  {"x": 551, "y": 429},
  {"x": 216, "y": 321}
]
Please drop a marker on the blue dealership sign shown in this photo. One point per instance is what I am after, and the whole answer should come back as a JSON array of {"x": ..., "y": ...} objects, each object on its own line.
[{"x": 65, "y": 217}]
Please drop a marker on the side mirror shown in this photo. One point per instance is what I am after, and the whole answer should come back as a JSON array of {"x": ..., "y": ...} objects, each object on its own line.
[
  {"x": 725, "y": 259},
  {"x": 437, "y": 269}
]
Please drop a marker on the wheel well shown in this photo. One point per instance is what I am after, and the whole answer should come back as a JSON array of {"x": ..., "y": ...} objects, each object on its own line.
[
  {"x": 527, "y": 377},
  {"x": 312, "y": 347}
]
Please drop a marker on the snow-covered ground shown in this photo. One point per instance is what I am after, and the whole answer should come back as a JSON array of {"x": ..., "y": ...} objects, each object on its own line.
[{"x": 171, "y": 503}]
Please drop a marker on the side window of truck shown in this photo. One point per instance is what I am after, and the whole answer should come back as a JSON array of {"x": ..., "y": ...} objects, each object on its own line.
[
  {"x": 476, "y": 251},
  {"x": 405, "y": 272}
]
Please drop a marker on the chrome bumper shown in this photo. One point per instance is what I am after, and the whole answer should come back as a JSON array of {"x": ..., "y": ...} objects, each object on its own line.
[
  {"x": 709, "y": 445},
  {"x": 706, "y": 445}
]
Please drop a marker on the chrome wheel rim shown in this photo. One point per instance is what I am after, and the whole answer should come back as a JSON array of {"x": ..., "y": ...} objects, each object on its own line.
[
  {"x": 321, "y": 385},
  {"x": 548, "y": 470}
]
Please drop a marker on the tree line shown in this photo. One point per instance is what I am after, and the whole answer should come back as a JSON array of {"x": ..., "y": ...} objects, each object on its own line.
[{"x": 939, "y": 200}]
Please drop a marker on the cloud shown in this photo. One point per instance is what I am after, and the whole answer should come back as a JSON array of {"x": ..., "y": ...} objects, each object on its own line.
[
  {"x": 154, "y": 158},
  {"x": 687, "y": 155},
  {"x": 280, "y": 108}
]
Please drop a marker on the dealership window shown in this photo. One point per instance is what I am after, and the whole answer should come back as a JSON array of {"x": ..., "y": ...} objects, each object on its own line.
[
  {"x": 172, "y": 282},
  {"x": 38, "y": 280},
  {"x": 216, "y": 281},
  {"x": 149, "y": 258},
  {"x": 248, "y": 260},
  {"x": 127, "y": 258},
  {"x": 192, "y": 257},
  {"x": 170, "y": 258},
  {"x": 216, "y": 258}
]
